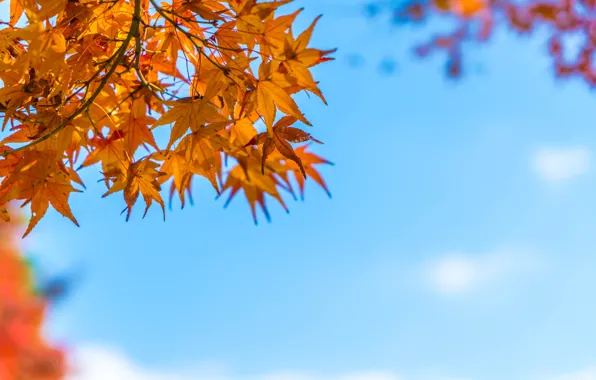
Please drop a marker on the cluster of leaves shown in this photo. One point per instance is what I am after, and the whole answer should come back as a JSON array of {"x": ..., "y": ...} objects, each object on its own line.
[
  {"x": 24, "y": 354},
  {"x": 476, "y": 20},
  {"x": 89, "y": 82}
]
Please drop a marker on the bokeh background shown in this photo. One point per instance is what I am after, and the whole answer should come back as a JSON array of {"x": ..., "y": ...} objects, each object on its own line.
[{"x": 458, "y": 245}]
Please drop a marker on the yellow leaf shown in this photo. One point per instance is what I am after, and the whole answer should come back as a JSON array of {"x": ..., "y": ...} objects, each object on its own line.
[
  {"x": 16, "y": 10},
  {"x": 270, "y": 93},
  {"x": 188, "y": 114}
]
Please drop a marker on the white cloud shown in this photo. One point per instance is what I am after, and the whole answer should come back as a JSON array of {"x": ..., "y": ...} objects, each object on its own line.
[
  {"x": 372, "y": 376},
  {"x": 349, "y": 376},
  {"x": 101, "y": 363},
  {"x": 561, "y": 164},
  {"x": 586, "y": 374},
  {"x": 458, "y": 273}
]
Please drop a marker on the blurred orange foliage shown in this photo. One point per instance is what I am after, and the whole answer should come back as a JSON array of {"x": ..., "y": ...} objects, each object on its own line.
[
  {"x": 477, "y": 20},
  {"x": 24, "y": 353}
]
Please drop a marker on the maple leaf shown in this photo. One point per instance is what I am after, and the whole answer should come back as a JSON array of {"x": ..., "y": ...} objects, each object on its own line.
[
  {"x": 254, "y": 185},
  {"x": 109, "y": 151},
  {"x": 308, "y": 160},
  {"x": 42, "y": 184},
  {"x": 196, "y": 159},
  {"x": 275, "y": 28},
  {"x": 179, "y": 169},
  {"x": 16, "y": 10},
  {"x": 270, "y": 95},
  {"x": 281, "y": 136},
  {"x": 188, "y": 114},
  {"x": 298, "y": 59},
  {"x": 142, "y": 177},
  {"x": 54, "y": 190},
  {"x": 210, "y": 10},
  {"x": 136, "y": 129}
]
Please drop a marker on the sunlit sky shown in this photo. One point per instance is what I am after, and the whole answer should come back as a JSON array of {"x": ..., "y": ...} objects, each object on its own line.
[{"x": 458, "y": 245}]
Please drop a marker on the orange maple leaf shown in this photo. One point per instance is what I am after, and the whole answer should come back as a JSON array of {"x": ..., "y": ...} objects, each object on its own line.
[
  {"x": 142, "y": 177},
  {"x": 281, "y": 136},
  {"x": 254, "y": 185}
]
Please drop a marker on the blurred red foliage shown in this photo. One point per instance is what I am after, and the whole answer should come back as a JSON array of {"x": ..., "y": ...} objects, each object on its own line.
[
  {"x": 476, "y": 21},
  {"x": 24, "y": 353}
]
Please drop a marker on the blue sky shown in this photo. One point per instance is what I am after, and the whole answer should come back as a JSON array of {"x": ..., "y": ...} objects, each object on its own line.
[{"x": 458, "y": 245}]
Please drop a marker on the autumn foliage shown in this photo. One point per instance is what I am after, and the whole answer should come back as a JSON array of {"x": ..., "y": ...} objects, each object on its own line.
[
  {"x": 24, "y": 353},
  {"x": 91, "y": 82},
  {"x": 569, "y": 26}
]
